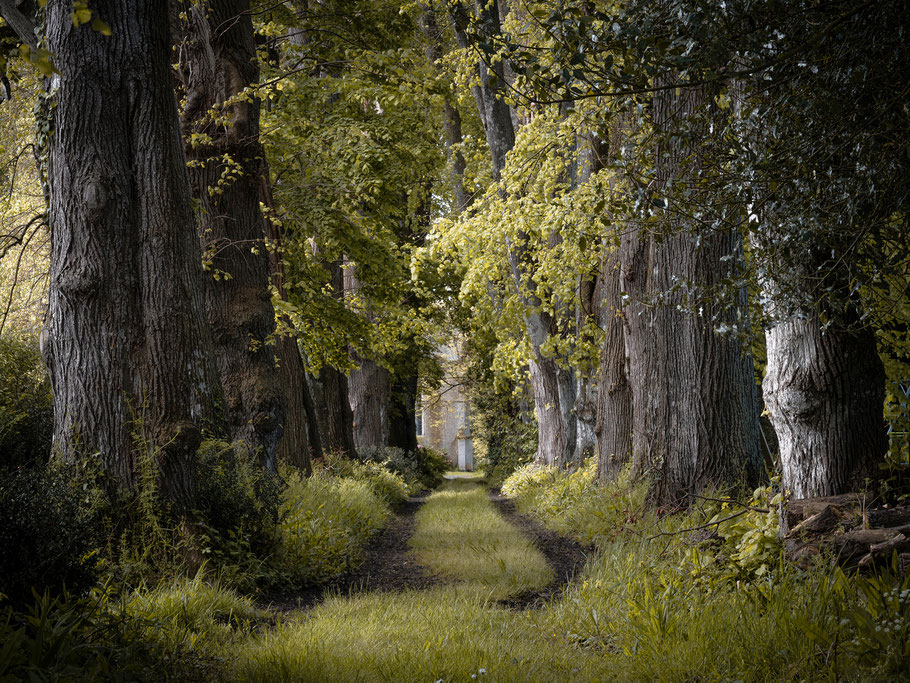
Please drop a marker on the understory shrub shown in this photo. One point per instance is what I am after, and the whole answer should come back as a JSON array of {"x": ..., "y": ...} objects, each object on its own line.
[
  {"x": 47, "y": 536},
  {"x": 238, "y": 504},
  {"x": 573, "y": 504},
  {"x": 422, "y": 469},
  {"x": 26, "y": 408},
  {"x": 323, "y": 524}
]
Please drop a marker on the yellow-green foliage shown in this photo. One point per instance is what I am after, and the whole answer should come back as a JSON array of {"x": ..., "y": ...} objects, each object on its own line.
[
  {"x": 389, "y": 486},
  {"x": 189, "y": 613},
  {"x": 324, "y": 522},
  {"x": 573, "y": 504},
  {"x": 461, "y": 536}
]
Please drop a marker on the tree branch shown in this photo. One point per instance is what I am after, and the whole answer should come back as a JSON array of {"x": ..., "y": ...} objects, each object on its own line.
[
  {"x": 21, "y": 24},
  {"x": 698, "y": 528}
]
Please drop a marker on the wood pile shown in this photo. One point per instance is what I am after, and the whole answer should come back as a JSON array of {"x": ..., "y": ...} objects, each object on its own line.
[{"x": 854, "y": 535}]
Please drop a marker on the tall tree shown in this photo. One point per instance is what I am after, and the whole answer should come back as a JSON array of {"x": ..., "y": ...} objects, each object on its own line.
[
  {"x": 218, "y": 65},
  {"x": 552, "y": 384},
  {"x": 129, "y": 350}
]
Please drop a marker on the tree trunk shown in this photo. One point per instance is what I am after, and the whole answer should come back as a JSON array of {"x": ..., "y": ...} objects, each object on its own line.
[
  {"x": 402, "y": 419},
  {"x": 218, "y": 62},
  {"x": 301, "y": 442},
  {"x": 824, "y": 392},
  {"x": 370, "y": 402},
  {"x": 552, "y": 386},
  {"x": 333, "y": 399},
  {"x": 128, "y": 348},
  {"x": 695, "y": 402},
  {"x": 614, "y": 408}
]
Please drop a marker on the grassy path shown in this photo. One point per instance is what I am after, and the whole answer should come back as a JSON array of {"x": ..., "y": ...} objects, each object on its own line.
[{"x": 450, "y": 632}]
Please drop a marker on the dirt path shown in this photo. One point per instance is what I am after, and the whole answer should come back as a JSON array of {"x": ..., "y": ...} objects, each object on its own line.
[
  {"x": 388, "y": 565},
  {"x": 566, "y": 556}
]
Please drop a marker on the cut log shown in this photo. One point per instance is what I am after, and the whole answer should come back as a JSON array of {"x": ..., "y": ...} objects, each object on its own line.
[
  {"x": 852, "y": 546},
  {"x": 829, "y": 519},
  {"x": 804, "y": 508}
]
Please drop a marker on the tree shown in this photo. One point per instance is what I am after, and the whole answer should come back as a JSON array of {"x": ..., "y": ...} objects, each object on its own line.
[
  {"x": 129, "y": 350},
  {"x": 218, "y": 68}
]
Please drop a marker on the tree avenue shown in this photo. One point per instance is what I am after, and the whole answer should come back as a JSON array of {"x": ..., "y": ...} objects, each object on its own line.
[{"x": 647, "y": 226}]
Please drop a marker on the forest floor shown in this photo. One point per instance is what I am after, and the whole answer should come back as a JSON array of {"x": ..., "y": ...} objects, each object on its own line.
[
  {"x": 457, "y": 587},
  {"x": 389, "y": 563}
]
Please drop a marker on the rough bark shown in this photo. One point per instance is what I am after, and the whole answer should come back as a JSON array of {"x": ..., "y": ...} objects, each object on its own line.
[
  {"x": 824, "y": 392},
  {"x": 333, "y": 403},
  {"x": 128, "y": 348},
  {"x": 217, "y": 63},
  {"x": 614, "y": 409},
  {"x": 370, "y": 393},
  {"x": 695, "y": 403},
  {"x": 301, "y": 442}
]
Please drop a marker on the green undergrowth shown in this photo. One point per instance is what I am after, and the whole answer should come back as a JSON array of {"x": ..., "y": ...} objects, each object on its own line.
[
  {"x": 572, "y": 504},
  {"x": 705, "y": 594},
  {"x": 459, "y": 535},
  {"x": 323, "y": 524}
]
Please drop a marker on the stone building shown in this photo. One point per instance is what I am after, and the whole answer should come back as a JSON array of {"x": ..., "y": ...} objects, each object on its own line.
[{"x": 443, "y": 417}]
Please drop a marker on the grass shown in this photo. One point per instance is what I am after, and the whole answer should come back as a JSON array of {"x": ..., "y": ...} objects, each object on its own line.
[
  {"x": 438, "y": 634},
  {"x": 460, "y": 536},
  {"x": 452, "y": 632}
]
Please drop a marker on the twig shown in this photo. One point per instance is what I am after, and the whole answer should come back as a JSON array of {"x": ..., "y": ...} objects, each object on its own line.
[
  {"x": 729, "y": 500},
  {"x": 697, "y": 528}
]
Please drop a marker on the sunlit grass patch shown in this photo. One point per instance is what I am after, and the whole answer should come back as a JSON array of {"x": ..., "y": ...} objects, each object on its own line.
[
  {"x": 439, "y": 634},
  {"x": 460, "y": 536},
  {"x": 190, "y": 613}
]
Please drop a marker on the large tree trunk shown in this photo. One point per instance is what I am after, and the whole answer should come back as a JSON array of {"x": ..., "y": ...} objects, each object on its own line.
[
  {"x": 218, "y": 62},
  {"x": 824, "y": 392},
  {"x": 128, "y": 348},
  {"x": 695, "y": 402},
  {"x": 370, "y": 393},
  {"x": 301, "y": 442}
]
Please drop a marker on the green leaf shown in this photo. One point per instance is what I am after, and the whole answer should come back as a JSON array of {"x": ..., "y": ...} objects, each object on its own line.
[{"x": 101, "y": 27}]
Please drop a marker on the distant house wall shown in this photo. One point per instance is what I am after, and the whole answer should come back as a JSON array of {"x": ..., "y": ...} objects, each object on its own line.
[{"x": 445, "y": 417}]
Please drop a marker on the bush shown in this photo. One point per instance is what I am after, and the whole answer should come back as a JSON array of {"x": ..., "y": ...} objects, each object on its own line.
[
  {"x": 47, "y": 535},
  {"x": 26, "y": 406},
  {"x": 323, "y": 524},
  {"x": 421, "y": 469},
  {"x": 572, "y": 503},
  {"x": 390, "y": 487},
  {"x": 238, "y": 507}
]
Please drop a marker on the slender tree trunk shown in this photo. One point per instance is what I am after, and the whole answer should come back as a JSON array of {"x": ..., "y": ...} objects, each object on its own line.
[
  {"x": 333, "y": 399},
  {"x": 553, "y": 387},
  {"x": 127, "y": 344},
  {"x": 218, "y": 62},
  {"x": 614, "y": 409},
  {"x": 301, "y": 442},
  {"x": 696, "y": 412},
  {"x": 450, "y": 116},
  {"x": 402, "y": 422}
]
